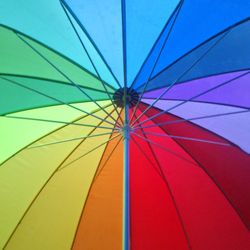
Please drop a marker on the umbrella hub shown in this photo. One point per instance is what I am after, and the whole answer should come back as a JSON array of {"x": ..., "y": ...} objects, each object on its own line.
[
  {"x": 130, "y": 98},
  {"x": 126, "y": 130}
]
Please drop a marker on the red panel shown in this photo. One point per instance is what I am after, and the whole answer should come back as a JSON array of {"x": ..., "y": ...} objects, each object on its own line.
[
  {"x": 154, "y": 222},
  {"x": 210, "y": 220}
]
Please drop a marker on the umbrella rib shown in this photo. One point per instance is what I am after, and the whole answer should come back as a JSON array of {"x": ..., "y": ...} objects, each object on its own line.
[
  {"x": 54, "y": 121},
  {"x": 196, "y": 96},
  {"x": 164, "y": 148},
  {"x": 55, "y": 99},
  {"x": 91, "y": 61},
  {"x": 183, "y": 74},
  {"x": 71, "y": 139},
  {"x": 157, "y": 60},
  {"x": 124, "y": 44},
  {"x": 42, "y": 188},
  {"x": 165, "y": 180},
  {"x": 59, "y": 71},
  {"x": 52, "y": 80},
  {"x": 187, "y": 138},
  {"x": 90, "y": 151},
  {"x": 120, "y": 117},
  {"x": 194, "y": 118}
]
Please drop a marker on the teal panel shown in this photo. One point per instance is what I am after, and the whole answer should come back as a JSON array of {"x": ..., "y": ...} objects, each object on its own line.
[
  {"x": 101, "y": 68},
  {"x": 45, "y": 21}
]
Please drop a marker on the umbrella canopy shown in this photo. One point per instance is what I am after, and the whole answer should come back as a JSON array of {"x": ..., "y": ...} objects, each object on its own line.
[{"x": 124, "y": 124}]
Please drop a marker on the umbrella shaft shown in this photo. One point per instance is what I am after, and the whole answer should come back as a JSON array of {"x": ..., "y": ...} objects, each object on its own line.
[{"x": 126, "y": 216}]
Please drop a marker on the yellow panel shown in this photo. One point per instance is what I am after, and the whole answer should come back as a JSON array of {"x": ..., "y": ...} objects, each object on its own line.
[
  {"x": 52, "y": 220},
  {"x": 23, "y": 176},
  {"x": 16, "y": 134}
]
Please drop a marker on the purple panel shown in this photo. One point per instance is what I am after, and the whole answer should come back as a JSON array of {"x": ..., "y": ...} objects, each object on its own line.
[
  {"x": 234, "y": 127},
  {"x": 235, "y": 92}
]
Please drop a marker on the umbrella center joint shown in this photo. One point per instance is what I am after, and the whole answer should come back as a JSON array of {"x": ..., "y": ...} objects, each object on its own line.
[
  {"x": 125, "y": 96},
  {"x": 126, "y": 130}
]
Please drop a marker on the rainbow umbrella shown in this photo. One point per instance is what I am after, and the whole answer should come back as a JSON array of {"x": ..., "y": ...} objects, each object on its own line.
[{"x": 124, "y": 124}]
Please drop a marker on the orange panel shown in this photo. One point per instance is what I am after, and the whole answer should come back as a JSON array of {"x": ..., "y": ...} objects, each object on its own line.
[{"x": 100, "y": 226}]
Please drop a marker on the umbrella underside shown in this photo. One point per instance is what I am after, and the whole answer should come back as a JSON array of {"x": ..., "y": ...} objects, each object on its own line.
[{"x": 124, "y": 125}]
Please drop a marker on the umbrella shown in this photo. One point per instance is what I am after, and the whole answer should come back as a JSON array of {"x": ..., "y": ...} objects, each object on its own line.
[{"x": 124, "y": 124}]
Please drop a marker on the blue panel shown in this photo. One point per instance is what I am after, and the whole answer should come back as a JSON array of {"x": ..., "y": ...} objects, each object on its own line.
[
  {"x": 149, "y": 67},
  {"x": 231, "y": 53},
  {"x": 198, "y": 21},
  {"x": 103, "y": 22},
  {"x": 145, "y": 20}
]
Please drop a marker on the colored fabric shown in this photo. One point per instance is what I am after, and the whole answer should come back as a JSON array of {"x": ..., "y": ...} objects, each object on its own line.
[{"x": 124, "y": 125}]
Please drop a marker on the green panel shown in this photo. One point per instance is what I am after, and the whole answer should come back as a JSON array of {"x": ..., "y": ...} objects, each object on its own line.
[
  {"x": 18, "y": 58},
  {"x": 14, "y": 97},
  {"x": 17, "y": 133}
]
